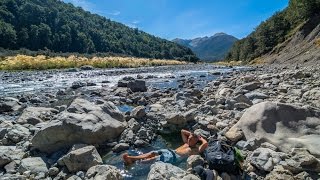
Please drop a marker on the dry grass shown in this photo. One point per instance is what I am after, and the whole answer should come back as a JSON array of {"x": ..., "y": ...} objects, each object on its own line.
[
  {"x": 318, "y": 42},
  {"x": 229, "y": 63},
  {"x": 257, "y": 61},
  {"x": 23, "y": 62}
]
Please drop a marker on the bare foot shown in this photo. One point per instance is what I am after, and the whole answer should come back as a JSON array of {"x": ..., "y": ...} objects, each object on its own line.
[{"x": 126, "y": 159}]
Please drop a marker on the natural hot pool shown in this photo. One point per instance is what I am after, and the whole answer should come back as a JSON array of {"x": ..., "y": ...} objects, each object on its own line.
[{"x": 139, "y": 171}]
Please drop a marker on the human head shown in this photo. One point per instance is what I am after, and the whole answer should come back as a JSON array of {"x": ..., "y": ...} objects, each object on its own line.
[{"x": 193, "y": 139}]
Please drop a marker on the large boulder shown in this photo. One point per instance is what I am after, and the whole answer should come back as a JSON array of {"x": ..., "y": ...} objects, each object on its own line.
[
  {"x": 35, "y": 115},
  {"x": 103, "y": 172},
  {"x": 160, "y": 170},
  {"x": 93, "y": 126},
  {"x": 283, "y": 125},
  {"x": 81, "y": 157}
]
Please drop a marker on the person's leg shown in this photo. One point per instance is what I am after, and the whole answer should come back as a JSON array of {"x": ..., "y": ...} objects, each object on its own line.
[
  {"x": 131, "y": 159},
  {"x": 151, "y": 159}
]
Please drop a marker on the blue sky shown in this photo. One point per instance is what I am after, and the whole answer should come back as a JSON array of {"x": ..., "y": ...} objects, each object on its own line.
[{"x": 186, "y": 19}]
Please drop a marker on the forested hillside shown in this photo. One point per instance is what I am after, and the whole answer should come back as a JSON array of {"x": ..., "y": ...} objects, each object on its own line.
[
  {"x": 276, "y": 30},
  {"x": 61, "y": 27}
]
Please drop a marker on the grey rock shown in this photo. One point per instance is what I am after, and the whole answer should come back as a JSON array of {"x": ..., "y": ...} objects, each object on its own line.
[
  {"x": 36, "y": 100},
  {"x": 241, "y": 144},
  {"x": 120, "y": 147},
  {"x": 35, "y": 115},
  {"x": 81, "y": 157},
  {"x": 301, "y": 160},
  {"x": 9, "y": 104},
  {"x": 265, "y": 159},
  {"x": 222, "y": 92},
  {"x": 33, "y": 164},
  {"x": 175, "y": 118},
  {"x": 234, "y": 134},
  {"x": 207, "y": 110},
  {"x": 257, "y": 101},
  {"x": 86, "y": 67},
  {"x": 13, "y": 177},
  {"x": 140, "y": 143},
  {"x": 190, "y": 115},
  {"x": 53, "y": 171},
  {"x": 103, "y": 172},
  {"x": 252, "y": 144},
  {"x": 4, "y": 127},
  {"x": 269, "y": 146},
  {"x": 249, "y": 86},
  {"x": 280, "y": 173},
  {"x": 256, "y": 95},
  {"x": 10, "y": 153},
  {"x": 284, "y": 125},
  {"x": 113, "y": 111},
  {"x": 313, "y": 96},
  {"x": 137, "y": 86},
  {"x": 133, "y": 125},
  {"x": 82, "y": 106},
  {"x": 138, "y": 112},
  {"x": 201, "y": 132},
  {"x": 242, "y": 99},
  {"x": 16, "y": 134},
  {"x": 128, "y": 135},
  {"x": 160, "y": 170},
  {"x": 194, "y": 160},
  {"x": 78, "y": 84},
  {"x": 74, "y": 177},
  {"x": 91, "y": 127},
  {"x": 241, "y": 106},
  {"x": 12, "y": 167}
]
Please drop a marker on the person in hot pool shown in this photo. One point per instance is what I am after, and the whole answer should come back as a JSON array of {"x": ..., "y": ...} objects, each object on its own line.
[{"x": 190, "y": 147}]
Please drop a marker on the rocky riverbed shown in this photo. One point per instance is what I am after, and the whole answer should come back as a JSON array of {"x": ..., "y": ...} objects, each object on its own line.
[{"x": 59, "y": 124}]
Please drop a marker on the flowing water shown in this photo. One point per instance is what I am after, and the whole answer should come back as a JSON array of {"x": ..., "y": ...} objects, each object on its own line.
[
  {"x": 163, "y": 78},
  {"x": 22, "y": 82}
]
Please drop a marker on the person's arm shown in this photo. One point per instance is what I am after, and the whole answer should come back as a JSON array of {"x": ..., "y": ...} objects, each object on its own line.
[
  {"x": 204, "y": 144},
  {"x": 185, "y": 134}
]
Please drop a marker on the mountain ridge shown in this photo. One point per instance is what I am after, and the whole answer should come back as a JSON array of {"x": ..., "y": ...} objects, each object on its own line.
[{"x": 211, "y": 48}]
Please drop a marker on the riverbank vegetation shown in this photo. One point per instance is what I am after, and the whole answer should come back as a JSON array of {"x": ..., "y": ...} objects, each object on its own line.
[{"x": 41, "y": 62}]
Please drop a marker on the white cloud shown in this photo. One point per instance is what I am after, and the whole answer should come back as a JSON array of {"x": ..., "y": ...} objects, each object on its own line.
[
  {"x": 135, "y": 22},
  {"x": 82, "y": 3},
  {"x": 115, "y": 13}
]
